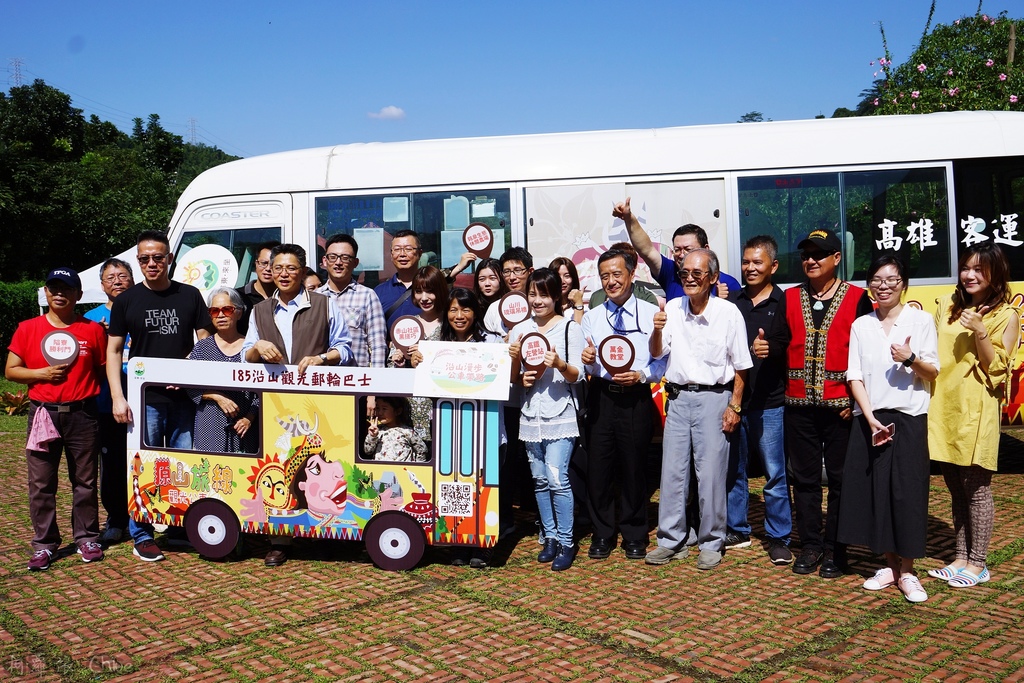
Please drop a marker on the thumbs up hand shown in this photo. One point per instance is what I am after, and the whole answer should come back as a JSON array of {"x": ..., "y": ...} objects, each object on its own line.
[
  {"x": 972, "y": 320},
  {"x": 660, "y": 318},
  {"x": 901, "y": 352},
  {"x": 760, "y": 346},
  {"x": 589, "y": 354}
]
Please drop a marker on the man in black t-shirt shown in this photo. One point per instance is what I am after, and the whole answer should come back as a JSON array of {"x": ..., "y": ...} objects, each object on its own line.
[{"x": 161, "y": 316}]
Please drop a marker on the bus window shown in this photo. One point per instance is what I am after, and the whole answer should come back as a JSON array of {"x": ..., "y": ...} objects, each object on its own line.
[
  {"x": 390, "y": 435},
  {"x": 211, "y": 430},
  {"x": 787, "y": 207},
  {"x": 241, "y": 243},
  {"x": 905, "y": 210},
  {"x": 437, "y": 217},
  {"x": 992, "y": 190}
]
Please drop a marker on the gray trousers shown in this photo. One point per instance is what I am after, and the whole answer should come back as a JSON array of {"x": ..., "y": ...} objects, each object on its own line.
[{"x": 694, "y": 423}]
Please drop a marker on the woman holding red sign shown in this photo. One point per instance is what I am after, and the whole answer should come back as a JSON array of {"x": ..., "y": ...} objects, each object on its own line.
[{"x": 545, "y": 353}]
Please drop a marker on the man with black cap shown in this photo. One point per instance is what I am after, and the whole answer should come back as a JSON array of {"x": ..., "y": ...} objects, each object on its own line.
[
  {"x": 817, "y": 423},
  {"x": 60, "y": 356}
]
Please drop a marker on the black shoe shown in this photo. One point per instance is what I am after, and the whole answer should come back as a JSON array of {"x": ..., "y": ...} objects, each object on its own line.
[
  {"x": 830, "y": 569},
  {"x": 550, "y": 550},
  {"x": 460, "y": 557},
  {"x": 564, "y": 559},
  {"x": 600, "y": 548},
  {"x": 778, "y": 552},
  {"x": 481, "y": 558},
  {"x": 635, "y": 550},
  {"x": 807, "y": 561},
  {"x": 735, "y": 539},
  {"x": 276, "y": 557}
]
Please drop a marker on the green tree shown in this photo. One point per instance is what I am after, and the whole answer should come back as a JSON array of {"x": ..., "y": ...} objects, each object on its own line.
[
  {"x": 752, "y": 117},
  {"x": 966, "y": 65}
]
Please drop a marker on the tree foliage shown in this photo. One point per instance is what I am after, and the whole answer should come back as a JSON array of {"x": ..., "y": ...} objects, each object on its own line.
[
  {"x": 752, "y": 117},
  {"x": 970, "y": 64},
  {"x": 75, "y": 191}
]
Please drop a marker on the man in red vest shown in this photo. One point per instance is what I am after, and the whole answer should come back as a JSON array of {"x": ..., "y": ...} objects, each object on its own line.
[{"x": 817, "y": 423}]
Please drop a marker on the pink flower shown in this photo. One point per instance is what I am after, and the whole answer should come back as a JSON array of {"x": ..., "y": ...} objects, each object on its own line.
[
  {"x": 957, "y": 22},
  {"x": 949, "y": 73},
  {"x": 984, "y": 17},
  {"x": 915, "y": 94},
  {"x": 1013, "y": 99},
  {"x": 875, "y": 75},
  {"x": 989, "y": 63},
  {"x": 871, "y": 63},
  {"x": 1002, "y": 77},
  {"x": 913, "y": 106},
  {"x": 921, "y": 67},
  {"x": 954, "y": 92}
]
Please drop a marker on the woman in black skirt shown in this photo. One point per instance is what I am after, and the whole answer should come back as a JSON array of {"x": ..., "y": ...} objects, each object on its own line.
[{"x": 893, "y": 360}]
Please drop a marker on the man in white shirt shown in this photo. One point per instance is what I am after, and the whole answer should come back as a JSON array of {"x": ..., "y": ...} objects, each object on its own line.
[{"x": 705, "y": 341}]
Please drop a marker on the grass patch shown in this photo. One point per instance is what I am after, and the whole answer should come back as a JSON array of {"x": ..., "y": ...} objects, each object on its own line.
[{"x": 13, "y": 423}]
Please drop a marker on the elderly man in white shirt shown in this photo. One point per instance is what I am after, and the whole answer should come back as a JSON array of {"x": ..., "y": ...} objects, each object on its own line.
[{"x": 705, "y": 340}]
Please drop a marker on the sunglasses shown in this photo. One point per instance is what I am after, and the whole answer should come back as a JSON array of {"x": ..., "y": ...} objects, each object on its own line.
[
  {"x": 157, "y": 258},
  {"x": 226, "y": 310}
]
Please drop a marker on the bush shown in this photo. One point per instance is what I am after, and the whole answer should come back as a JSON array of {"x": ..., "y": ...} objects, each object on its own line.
[{"x": 18, "y": 301}]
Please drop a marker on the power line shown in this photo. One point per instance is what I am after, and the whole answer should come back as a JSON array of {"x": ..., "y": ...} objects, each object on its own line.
[{"x": 16, "y": 63}]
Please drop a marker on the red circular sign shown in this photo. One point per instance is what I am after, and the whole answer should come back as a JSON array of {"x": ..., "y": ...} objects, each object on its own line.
[
  {"x": 478, "y": 239},
  {"x": 514, "y": 309},
  {"x": 532, "y": 349},
  {"x": 406, "y": 332},
  {"x": 616, "y": 354},
  {"x": 60, "y": 348}
]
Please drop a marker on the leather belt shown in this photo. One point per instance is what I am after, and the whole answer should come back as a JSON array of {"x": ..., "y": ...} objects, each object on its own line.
[
  {"x": 674, "y": 390},
  {"x": 68, "y": 407},
  {"x": 613, "y": 388}
]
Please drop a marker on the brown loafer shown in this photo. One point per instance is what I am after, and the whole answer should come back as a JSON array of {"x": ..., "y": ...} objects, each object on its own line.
[{"x": 276, "y": 557}]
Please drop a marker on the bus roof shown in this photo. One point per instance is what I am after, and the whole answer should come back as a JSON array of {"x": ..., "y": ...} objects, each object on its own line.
[{"x": 619, "y": 153}]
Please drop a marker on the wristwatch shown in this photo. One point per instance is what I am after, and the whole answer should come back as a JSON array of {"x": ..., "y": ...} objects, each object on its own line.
[
  {"x": 735, "y": 408},
  {"x": 323, "y": 358},
  {"x": 579, "y": 308},
  {"x": 910, "y": 361}
]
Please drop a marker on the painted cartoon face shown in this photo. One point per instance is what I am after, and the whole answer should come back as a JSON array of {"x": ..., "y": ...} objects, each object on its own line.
[
  {"x": 137, "y": 465},
  {"x": 325, "y": 486},
  {"x": 275, "y": 490}
]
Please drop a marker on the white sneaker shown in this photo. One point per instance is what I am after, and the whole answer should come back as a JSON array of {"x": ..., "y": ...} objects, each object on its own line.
[
  {"x": 882, "y": 579},
  {"x": 911, "y": 589}
]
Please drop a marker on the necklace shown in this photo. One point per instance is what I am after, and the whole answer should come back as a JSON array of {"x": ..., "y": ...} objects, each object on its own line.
[{"x": 818, "y": 305}]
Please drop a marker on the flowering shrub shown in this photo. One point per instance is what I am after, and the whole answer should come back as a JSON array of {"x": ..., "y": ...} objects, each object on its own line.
[{"x": 960, "y": 66}]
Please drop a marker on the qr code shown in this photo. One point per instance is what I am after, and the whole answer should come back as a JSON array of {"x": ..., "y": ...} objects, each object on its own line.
[{"x": 456, "y": 500}]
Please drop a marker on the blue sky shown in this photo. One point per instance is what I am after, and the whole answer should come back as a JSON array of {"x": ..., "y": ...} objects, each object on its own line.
[{"x": 261, "y": 77}]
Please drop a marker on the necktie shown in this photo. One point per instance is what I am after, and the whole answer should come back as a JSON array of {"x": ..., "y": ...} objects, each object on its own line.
[{"x": 617, "y": 326}]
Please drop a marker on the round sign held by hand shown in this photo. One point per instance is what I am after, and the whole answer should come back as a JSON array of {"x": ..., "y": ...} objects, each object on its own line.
[
  {"x": 514, "y": 309},
  {"x": 617, "y": 354},
  {"x": 478, "y": 239},
  {"x": 532, "y": 349},
  {"x": 60, "y": 348},
  {"x": 406, "y": 332}
]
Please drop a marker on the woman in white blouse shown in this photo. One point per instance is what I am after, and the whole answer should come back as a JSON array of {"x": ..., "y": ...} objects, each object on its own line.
[{"x": 893, "y": 360}]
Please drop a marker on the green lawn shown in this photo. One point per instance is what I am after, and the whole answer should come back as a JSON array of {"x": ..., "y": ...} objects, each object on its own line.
[{"x": 8, "y": 423}]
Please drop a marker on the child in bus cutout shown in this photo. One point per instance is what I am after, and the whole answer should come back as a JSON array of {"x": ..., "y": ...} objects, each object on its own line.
[{"x": 390, "y": 435}]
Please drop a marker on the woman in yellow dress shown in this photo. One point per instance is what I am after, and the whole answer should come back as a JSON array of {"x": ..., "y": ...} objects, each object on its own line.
[{"x": 977, "y": 332}]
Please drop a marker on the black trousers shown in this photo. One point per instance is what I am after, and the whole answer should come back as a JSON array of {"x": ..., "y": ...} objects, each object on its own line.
[
  {"x": 114, "y": 470},
  {"x": 618, "y": 438},
  {"x": 813, "y": 434}
]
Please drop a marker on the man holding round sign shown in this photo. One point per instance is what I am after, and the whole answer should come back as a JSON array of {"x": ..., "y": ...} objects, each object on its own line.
[
  {"x": 60, "y": 356},
  {"x": 619, "y": 408}
]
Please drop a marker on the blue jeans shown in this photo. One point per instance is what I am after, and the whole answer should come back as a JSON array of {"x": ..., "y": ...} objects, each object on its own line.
[
  {"x": 760, "y": 432},
  {"x": 168, "y": 425},
  {"x": 549, "y": 465}
]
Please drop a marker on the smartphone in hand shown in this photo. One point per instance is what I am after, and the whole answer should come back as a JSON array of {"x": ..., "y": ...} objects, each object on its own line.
[{"x": 883, "y": 434}]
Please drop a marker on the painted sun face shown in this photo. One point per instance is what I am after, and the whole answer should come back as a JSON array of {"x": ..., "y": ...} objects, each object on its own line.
[{"x": 274, "y": 487}]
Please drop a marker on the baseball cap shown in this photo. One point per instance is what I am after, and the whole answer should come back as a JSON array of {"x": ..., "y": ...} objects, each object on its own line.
[
  {"x": 825, "y": 240},
  {"x": 65, "y": 275}
]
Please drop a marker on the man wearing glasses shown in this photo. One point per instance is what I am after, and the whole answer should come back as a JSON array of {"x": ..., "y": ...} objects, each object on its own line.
[
  {"x": 161, "y": 316},
  {"x": 665, "y": 270},
  {"x": 818, "y": 406},
  {"x": 115, "y": 278},
  {"x": 620, "y": 411},
  {"x": 262, "y": 287},
  {"x": 395, "y": 293},
  {"x": 705, "y": 341},
  {"x": 294, "y": 327},
  {"x": 360, "y": 305}
]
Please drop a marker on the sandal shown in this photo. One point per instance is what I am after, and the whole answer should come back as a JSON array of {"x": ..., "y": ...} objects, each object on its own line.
[
  {"x": 946, "y": 573},
  {"x": 965, "y": 579},
  {"x": 911, "y": 588},
  {"x": 882, "y": 579}
]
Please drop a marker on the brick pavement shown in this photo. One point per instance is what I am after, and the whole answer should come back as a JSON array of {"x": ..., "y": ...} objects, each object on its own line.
[{"x": 330, "y": 615}]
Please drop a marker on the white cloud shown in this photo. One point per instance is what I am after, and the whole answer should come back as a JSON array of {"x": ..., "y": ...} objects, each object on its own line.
[{"x": 388, "y": 113}]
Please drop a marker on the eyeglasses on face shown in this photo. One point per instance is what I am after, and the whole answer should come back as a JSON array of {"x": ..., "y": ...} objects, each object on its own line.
[
  {"x": 263, "y": 264},
  {"x": 157, "y": 258},
  {"x": 344, "y": 258},
  {"x": 815, "y": 255},
  {"x": 889, "y": 282},
  {"x": 226, "y": 310},
  {"x": 117, "y": 277},
  {"x": 518, "y": 272},
  {"x": 697, "y": 275},
  {"x": 404, "y": 250},
  {"x": 289, "y": 269}
]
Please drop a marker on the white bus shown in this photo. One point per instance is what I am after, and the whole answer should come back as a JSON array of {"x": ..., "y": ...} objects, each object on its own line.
[{"x": 925, "y": 185}]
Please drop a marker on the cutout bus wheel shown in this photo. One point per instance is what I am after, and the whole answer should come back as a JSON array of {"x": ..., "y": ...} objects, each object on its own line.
[
  {"x": 212, "y": 528},
  {"x": 394, "y": 540}
]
